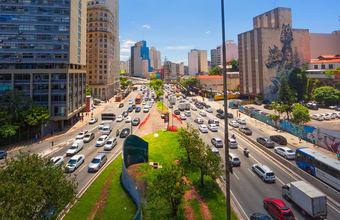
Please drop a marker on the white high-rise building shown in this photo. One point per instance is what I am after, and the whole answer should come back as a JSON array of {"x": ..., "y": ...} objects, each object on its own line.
[
  {"x": 216, "y": 55},
  {"x": 155, "y": 58},
  {"x": 197, "y": 62}
]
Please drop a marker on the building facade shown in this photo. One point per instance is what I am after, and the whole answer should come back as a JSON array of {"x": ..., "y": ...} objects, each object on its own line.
[
  {"x": 317, "y": 68},
  {"x": 324, "y": 44},
  {"x": 269, "y": 52},
  {"x": 215, "y": 83},
  {"x": 155, "y": 58},
  {"x": 216, "y": 54},
  {"x": 171, "y": 72},
  {"x": 139, "y": 52},
  {"x": 125, "y": 66},
  {"x": 101, "y": 56},
  {"x": 197, "y": 62},
  {"x": 43, "y": 53}
]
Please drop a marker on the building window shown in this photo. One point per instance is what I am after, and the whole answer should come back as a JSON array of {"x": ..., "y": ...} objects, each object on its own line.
[
  {"x": 330, "y": 66},
  {"x": 323, "y": 66},
  {"x": 78, "y": 59},
  {"x": 79, "y": 5},
  {"x": 79, "y": 20},
  {"x": 79, "y": 13},
  {"x": 315, "y": 67},
  {"x": 78, "y": 51},
  {"x": 79, "y": 36},
  {"x": 79, "y": 44},
  {"x": 79, "y": 28}
]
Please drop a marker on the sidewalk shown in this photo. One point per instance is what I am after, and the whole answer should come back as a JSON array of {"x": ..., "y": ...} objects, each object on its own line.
[
  {"x": 269, "y": 130},
  {"x": 67, "y": 130}
]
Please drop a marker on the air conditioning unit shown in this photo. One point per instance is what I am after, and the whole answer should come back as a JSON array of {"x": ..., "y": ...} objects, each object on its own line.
[{"x": 20, "y": 32}]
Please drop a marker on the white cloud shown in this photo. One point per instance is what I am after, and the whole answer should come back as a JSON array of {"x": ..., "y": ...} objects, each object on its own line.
[
  {"x": 126, "y": 45},
  {"x": 122, "y": 57},
  {"x": 146, "y": 26},
  {"x": 125, "y": 50},
  {"x": 184, "y": 61},
  {"x": 208, "y": 32},
  {"x": 120, "y": 36},
  {"x": 179, "y": 47}
]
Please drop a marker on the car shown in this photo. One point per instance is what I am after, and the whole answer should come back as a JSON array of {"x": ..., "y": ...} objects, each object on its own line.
[
  {"x": 125, "y": 113},
  {"x": 200, "y": 106},
  {"x": 234, "y": 160},
  {"x": 3, "y": 154},
  {"x": 143, "y": 103},
  {"x": 317, "y": 117},
  {"x": 207, "y": 106},
  {"x": 194, "y": 108},
  {"x": 101, "y": 125},
  {"x": 259, "y": 216},
  {"x": 171, "y": 106},
  {"x": 265, "y": 142},
  {"x": 203, "y": 128},
  {"x": 325, "y": 116},
  {"x": 147, "y": 98},
  {"x": 133, "y": 106},
  {"x": 215, "y": 151},
  {"x": 89, "y": 137},
  {"x": 230, "y": 115},
  {"x": 146, "y": 109},
  {"x": 74, "y": 163},
  {"x": 125, "y": 132},
  {"x": 331, "y": 115},
  {"x": 121, "y": 105},
  {"x": 337, "y": 108},
  {"x": 187, "y": 113},
  {"x": 217, "y": 142},
  {"x": 212, "y": 127},
  {"x": 286, "y": 152},
  {"x": 264, "y": 172},
  {"x": 120, "y": 118},
  {"x": 257, "y": 103},
  {"x": 241, "y": 121},
  {"x": 97, "y": 162},
  {"x": 56, "y": 161},
  {"x": 220, "y": 111},
  {"x": 246, "y": 130},
  {"x": 93, "y": 120},
  {"x": 210, "y": 110},
  {"x": 128, "y": 119},
  {"x": 199, "y": 120},
  {"x": 110, "y": 144},
  {"x": 334, "y": 106},
  {"x": 130, "y": 109},
  {"x": 334, "y": 115},
  {"x": 81, "y": 134},
  {"x": 102, "y": 140},
  {"x": 278, "y": 139},
  {"x": 75, "y": 148},
  {"x": 182, "y": 117},
  {"x": 203, "y": 103},
  {"x": 234, "y": 124},
  {"x": 267, "y": 106},
  {"x": 203, "y": 113},
  {"x": 181, "y": 101},
  {"x": 313, "y": 107},
  {"x": 220, "y": 116},
  {"x": 232, "y": 143},
  {"x": 278, "y": 209},
  {"x": 267, "y": 101},
  {"x": 130, "y": 101},
  {"x": 135, "y": 121},
  {"x": 163, "y": 115},
  {"x": 177, "y": 112}
]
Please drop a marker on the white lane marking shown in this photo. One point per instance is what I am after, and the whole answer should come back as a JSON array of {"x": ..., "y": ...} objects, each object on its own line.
[
  {"x": 236, "y": 175},
  {"x": 91, "y": 147},
  {"x": 251, "y": 171},
  {"x": 64, "y": 155},
  {"x": 82, "y": 168},
  {"x": 280, "y": 180},
  {"x": 239, "y": 206}
]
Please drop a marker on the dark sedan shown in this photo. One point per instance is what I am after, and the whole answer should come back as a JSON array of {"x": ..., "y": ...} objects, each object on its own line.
[
  {"x": 137, "y": 109},
  {"x": 200, "y": 106},
  {"x": 245, "y": 130},
  {"x": 279, "y": 139},
  {"x": 135, "y": 121},
  {"x": 125, "y": 113},
  {"x": 230, "y": 115},
  {"x": 266, "y": 106},
  {"x": 3, "y": 154},
  {"x": 313, "y": 107},
  {"x": 125, "y": 132},
  {"x": 133, "y": 106},
  {"x": 220, "y": 111},
  {"x": 121, "y": 105},
  {"x": 130, "y": 109},
  {"x": 265, "y": 142},
  {"x": 177, "y": 112},
  {"x": 257, "y": 103},
  {"x": 207, "y": 106},
  {"x": 221, "y": 116}
]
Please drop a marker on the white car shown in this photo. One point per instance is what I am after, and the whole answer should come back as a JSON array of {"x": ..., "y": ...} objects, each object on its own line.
[
  {"x": 56, "y": 161},
  {"x": 335, "y": 115},
  {"x": 286, "y": 152},
  {"x": 203, "y": 113},
  {"x": 130, "y": 102},
  {"x": 82, "y": 134},
  {"x": 241, "y": 121},
  {"x": 75, "y": 148},
  {"x": 325, "y": 116},
  {"x": 74, "y": 163},
  {"x": 143, "y": 103},
  {"x": 210, "y": 110},
  {"x": 203, "y": 128},
  {"x": 120, "y": 118},
  {"x": 128, "y": 119},
  {"x": 212, "y": 127},
  {"x": 183, "y": 117},
  {"x": 317, "y": 117},
  {"x": 187, "y": 113},
  {"x": 110, "y": 144},
  {"x": 194, "y": 108},
  {"x": 146, "y": 109},
  {"x": 101, "y": 125},
  {"x": 101, "y": 141},
  {"x": 234, "y": 124},
  {"x": 331, "y": 115},
  {"x": 199, "y": 120},
  {"x": 93, "y": 120}
]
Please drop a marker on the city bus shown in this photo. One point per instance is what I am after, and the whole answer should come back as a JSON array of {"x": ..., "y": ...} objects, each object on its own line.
[
  {"x": 108, "y": 116},
  {"x": 319, "y": 165},
  {"x": 139, "y": 99}
]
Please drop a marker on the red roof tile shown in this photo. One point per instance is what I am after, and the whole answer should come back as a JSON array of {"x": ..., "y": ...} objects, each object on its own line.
[
  {"x": 326, "y": 61},
  {"x": 209, "y": 77}
]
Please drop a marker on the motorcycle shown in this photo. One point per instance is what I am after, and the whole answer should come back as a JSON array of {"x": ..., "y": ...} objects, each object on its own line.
[
  {"x": 117, "y": 133},
  {"x": 246, "y": 153}
]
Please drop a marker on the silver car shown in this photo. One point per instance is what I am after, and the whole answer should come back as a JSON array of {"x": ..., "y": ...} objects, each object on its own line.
[
  {"x": 97, "y": 162},
  {"x": 217, "y": 142},
  {"x": 232, "y": 143},
  {"x": 264, "y": 172}
]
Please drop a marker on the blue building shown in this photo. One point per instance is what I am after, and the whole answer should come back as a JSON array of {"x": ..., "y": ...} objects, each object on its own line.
[{"x": 140, "y": 61}]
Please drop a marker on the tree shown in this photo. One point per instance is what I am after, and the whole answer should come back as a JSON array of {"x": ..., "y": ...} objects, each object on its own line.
[
  {"x": 214, "y": 71},
  {"x": 208, "y": 162},
  {"x": 298, "y": 82},
  {"x": 159, "y": 93},
  {"x": 285, "y": 95},
  {"x": 156, "y": 84},
  {"x": 169, "y": 185},
  {"x": 30, "y": 187},
  {"x": 234, "y": 65},
  {"x": 124, "y": 82},
  {"x": 188, "y": 138},
  {"x": 36, "y": 116},
  {"x": 152, "y": 77},
  {"x": 286, "y": 108},
  {"x": 192, "y": 81},
  {"x": 312, "y": 84},
  {"x": 327, "y": 94},
  {"x": 329, "y": 74},
  {"x": 301, "y": 114},
  {"x": 15, "y": 99},
  {"x": 88, "y": 90}
]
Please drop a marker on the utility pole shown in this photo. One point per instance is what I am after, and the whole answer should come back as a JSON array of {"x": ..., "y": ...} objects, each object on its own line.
[{"x": 226, "y": 155}]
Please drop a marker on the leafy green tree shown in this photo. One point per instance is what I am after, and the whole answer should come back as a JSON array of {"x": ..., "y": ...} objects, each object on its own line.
[
  {"x": 300, "y": 114},
  {"x": 88, "y": 90},
  {"x": 286, "y": 108},
  {"x": 192, "y": 81},
  {"x": 153, "y": 76},
  {"x": 159, "y": 93},
  {"x": 7, "y": 129},
  {"x": 16, "y": 99},
  {"x": 285, "y": 94},
  {"x": 167, "y": 185},
  {"x": 156, "y": 84},
  {"x": 274, "y": 106},
  {"x": 188, "y": 138},
  {"x": 329, "y": 73},
  {"x": 274, "y": 117},
  {"x": 234, "y": 65},
  {"x": 36, "y": 116},
  {"x": 124, "y": 82},
  {"x": 214, "y": 71},
  {"x": 30, "y": 187},
  {"x": 327, "y": 94},
  {"x": 298, "y": 82},
  {"x": 208, "y": 162}
]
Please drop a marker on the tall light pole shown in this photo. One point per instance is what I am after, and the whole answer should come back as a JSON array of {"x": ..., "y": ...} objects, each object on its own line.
[{"x": 226, "y": 155}]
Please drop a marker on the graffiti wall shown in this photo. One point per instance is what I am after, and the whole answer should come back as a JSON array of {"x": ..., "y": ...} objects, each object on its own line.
[{"x": 327, "y": 139}]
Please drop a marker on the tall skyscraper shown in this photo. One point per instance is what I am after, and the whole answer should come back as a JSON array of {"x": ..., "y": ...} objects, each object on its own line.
[
  {"x": 125, "y": 66},
  {"x": 102, "y": 40},
  {"x": 197, "y": 62},
  {"x": 139, "y": 52},
  {"x": 155, "y": 58},
  {"x": 43, "y": 53},
  {"x": 216, "y": 55},
  {"x": 171, "y": 72}
]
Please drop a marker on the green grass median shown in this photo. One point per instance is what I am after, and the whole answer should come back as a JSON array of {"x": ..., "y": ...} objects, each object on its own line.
[{"x": 159, "y": 106}]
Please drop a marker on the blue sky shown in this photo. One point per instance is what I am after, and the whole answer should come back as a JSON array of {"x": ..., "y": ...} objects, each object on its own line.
[{"x": 175, "y": 27}]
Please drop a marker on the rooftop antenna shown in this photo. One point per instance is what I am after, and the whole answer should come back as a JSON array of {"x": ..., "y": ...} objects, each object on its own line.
[{"x": 165, "y": 59}]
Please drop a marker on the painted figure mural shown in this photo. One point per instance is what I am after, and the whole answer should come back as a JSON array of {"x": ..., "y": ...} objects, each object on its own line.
[{"x": 281, "y": 60}]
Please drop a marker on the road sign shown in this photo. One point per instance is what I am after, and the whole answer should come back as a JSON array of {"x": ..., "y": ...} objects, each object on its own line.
[{"x": 166, "y": 117}]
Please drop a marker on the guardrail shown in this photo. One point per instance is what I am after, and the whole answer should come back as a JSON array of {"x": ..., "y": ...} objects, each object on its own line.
[{"x": 175, "y": 116}]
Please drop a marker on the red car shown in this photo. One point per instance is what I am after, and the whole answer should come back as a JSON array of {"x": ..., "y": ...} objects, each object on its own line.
[{"x": 278, "y": 209}]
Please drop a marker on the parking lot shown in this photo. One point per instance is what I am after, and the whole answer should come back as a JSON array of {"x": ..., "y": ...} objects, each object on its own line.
[{"x": 333, "y": 124}]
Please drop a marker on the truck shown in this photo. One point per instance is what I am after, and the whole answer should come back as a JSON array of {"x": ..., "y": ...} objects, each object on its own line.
[
  {"x": 173, "y": 100},
  {"x": 309, "y": 199},
  {"x": 181, "y": 106},
  {"x": 108, "y": 126},
  {"x": 187, "y": 106}
]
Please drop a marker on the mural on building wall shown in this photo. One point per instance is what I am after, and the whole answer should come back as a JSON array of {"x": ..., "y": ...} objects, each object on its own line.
[
  {"x": 307, "y": 133},
  {"x": 281, "y": 60}
]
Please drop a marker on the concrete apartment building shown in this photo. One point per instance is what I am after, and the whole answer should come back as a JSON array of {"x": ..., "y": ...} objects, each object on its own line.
[
  {"x": 324, "y": 44},
  {"x": 102, "y": 40},
  {"x": 43, "y": 53},
  {"x": 139, "y": 53},
  {"x": 197, "y": 62},
  {"x": 183, "y": 70},
  {"x": 216, "y": 55},
  {"x": 270, "y": 51},
  {"x": 155, "y": 58},
  {"x": 125, "y": 66},
  {"x": 171, "y": 72}
]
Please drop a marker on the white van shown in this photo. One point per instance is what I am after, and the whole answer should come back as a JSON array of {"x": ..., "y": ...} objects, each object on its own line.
[
  {"x": 75, "y": 148},
  {"x": 110, "y": 144}
]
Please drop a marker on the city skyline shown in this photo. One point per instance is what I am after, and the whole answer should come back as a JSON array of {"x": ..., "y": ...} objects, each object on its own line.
[{"x": 197, "y": 28}]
